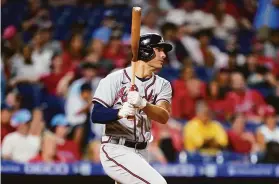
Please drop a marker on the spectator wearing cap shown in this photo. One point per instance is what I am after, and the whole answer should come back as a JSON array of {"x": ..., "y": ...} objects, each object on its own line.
[
  {"x": 204, "y": 134},
  {"x": 6, "y": 128},
  {"x": 150, "y": 22},
  {"x": 66, "y": 149},
  {"x": 73, "y": 52},
  {"x": 187, "y": 90},
  {"x": 242, "y": 99},
  {"x": 103, "y": 33},
  {"x": 269, "y": 131},
  {"x": 12, "y": 40},
  {"x": 241, "y": 141},
  {"x": 77, "y": 111},
  {"x": 21, "y": 145}
]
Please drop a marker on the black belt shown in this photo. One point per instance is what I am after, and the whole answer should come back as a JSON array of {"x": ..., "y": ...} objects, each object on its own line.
[{"x": 131, "y": 144}]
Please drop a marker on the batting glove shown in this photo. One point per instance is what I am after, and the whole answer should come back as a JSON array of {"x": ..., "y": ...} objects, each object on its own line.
[
  {"x": 127, "y": 110},
  {"x": 136, "y": 100}
]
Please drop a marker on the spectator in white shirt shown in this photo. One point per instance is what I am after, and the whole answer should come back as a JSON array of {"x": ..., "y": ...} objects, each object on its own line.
[
  {"x": 41, "y": 55},
  {"x": 224, "y": 24},
  {"x": 77, "y": 111},
  {"x": 187, "y": 14},
  {"x": 150, "y": 22},
  {"x": 24, "y": 143},
  {"x": 269, "y": 132}
]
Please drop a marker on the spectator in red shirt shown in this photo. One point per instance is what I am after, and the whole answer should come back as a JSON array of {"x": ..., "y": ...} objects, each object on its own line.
[
  {"x": 48, "y": 150},
  {"x": 115, "y": 51},
  {"x": 216, "y": 101},
  {"x": 240, "y": 140},
  {"x": 73, "y": 52},
  {"x": 242, "y": 99},
  {"x": 67, "y": 150},
  {"x": 52, "y": 79},
  {"x": 187, "y": 90},
  {"x": 6, "y": 127}
]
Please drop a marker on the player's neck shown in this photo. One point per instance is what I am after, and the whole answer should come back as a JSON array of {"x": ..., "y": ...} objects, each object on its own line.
[{"x": 143, "y": 70}]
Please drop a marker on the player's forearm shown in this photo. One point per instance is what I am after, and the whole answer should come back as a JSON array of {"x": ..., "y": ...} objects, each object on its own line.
[{"x": 156, "y": 113}]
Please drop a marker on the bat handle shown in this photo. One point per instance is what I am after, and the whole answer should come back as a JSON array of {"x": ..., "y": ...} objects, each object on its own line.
[{"x": 133, "y": 88}]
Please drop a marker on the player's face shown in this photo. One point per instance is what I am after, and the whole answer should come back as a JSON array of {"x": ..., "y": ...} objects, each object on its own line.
[{"x": 158, "y": 61}]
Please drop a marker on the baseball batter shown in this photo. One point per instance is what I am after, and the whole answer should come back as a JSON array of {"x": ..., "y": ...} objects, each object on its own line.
[{"x": 123, "y": 151}]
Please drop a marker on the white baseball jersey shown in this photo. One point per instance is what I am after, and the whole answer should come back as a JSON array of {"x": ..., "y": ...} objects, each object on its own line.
[{"x": 112, "y": 92}]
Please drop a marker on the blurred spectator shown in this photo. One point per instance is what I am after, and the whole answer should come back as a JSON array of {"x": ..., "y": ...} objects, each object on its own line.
[
  {"x": 66, "y": 149},
  {"x": 268, "y": 135},
  {"x": 51, "y": 80},
  {"x": 187, "y": 15},
  {"x": 167, "y": 141},
  {"x": 41, "y": 55},
  {"x": 73, "y": 52},
  {"x": 6, "y": 128},
  {"x": 150, "y": 22},
  {"x": 103, "y": 33},
  {"x": 187, "y": 90},
  {"x": 77, "y": 111},
  {"x": 269, "y": 132},
  {"x": 23, "y": 144},
  {"x": 36, "y": 16},
  {"x": 179, "y": 54},
  {"x": 267, "y": 17},
  {"x": 115, "y": 52},
  {"x": 50, "y": 43},
  {"x": 48, "y": 153},
  {"x": 215, "y": 98},
  {"x": 224, "y": 24},
  {"x": 203, "y": 134},
  {"x": 240, "y": 140},
  {"x": 11, "y": 39},
  {"x": 202, "y": 53},
  {"x": 271, "y": 47},
  {"x": 243, "y": 100},
  {"x": 273, "y": 98},
  {"x": 23, "y": 69},
  {"x": 223, "y": 80}
]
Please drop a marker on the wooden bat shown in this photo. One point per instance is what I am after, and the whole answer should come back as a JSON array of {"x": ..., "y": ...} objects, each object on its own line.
[{"x": 135, "y": 36}]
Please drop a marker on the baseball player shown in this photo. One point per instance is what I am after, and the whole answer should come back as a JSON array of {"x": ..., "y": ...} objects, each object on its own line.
[{"x": 123, "y": 150}]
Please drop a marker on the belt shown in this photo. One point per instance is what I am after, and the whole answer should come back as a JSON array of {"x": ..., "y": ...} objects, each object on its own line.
[{"x": 130, "y": 144}]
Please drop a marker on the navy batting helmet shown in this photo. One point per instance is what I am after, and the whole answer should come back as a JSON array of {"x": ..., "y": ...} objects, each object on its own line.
[{"x": 148, "y": 42}]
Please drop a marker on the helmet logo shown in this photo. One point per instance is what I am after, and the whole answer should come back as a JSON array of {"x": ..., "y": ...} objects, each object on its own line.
[{"x": 146, "y": 41}]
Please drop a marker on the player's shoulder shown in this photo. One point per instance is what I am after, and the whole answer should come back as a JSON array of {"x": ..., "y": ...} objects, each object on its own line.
[
  {"x": 115, "y": 75},
  {"x": 161, "y": 80}
]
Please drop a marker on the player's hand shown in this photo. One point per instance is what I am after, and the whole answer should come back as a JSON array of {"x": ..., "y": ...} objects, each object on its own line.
[
  {"x": 127, "y": 110},
  {"x": 136, "y": 100}
]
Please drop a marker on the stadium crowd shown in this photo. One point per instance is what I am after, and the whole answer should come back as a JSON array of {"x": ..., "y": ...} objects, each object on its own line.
[{"x": 224, "y": 72}]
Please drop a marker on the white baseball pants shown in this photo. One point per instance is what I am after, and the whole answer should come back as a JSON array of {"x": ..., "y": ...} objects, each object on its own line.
[{"x": 128, "y": 166}]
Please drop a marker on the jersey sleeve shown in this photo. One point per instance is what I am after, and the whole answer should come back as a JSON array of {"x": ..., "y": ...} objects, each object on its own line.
[
  {"x": 106, "y": 92},
  {"x": 165, "y": 94}
]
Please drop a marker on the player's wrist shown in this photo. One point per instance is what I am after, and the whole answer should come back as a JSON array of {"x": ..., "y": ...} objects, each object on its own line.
[{"x": 143, "y": 103}]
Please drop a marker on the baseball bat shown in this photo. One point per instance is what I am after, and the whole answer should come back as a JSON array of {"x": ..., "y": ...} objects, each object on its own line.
[{"x": 135, "y": 36}]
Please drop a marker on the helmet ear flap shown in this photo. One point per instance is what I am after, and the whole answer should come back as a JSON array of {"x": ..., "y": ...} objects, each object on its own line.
[{"x": 146, "y": 54}]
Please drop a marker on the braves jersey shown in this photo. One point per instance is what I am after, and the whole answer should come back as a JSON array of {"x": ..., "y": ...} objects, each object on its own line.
[{"x": 112, "y": 93}]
